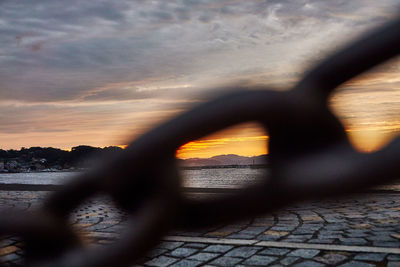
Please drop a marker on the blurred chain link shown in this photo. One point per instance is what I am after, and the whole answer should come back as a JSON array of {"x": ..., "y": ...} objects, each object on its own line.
[{"x": 310, "y": 157}]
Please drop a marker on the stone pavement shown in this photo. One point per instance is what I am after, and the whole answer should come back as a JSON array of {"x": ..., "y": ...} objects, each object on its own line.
[{"x": 362, "y": 230}]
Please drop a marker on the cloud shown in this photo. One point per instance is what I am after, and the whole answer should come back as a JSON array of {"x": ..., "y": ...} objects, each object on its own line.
[
  {"x": 108, "y": 58},
  {"x": 126, "y": 92},
  {"x": 53, "y": 51}
]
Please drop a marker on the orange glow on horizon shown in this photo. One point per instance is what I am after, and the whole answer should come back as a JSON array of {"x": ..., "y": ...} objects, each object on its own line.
[
  {"x": 363, "y": 140},
  {"x": 206, "y": 148}
]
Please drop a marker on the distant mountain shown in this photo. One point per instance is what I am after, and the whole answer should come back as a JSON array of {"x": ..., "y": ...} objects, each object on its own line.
[{"x": 230, "y": 159}]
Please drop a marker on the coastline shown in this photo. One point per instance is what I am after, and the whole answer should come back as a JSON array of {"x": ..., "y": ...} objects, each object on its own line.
[
  {"x": 230, "y": 166},
  {"x": 45, "y": 171},
  {"x": 195, "y": 190}
]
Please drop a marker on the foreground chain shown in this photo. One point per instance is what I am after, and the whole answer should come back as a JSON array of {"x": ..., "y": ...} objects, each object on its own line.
[{"x": 310, "y": 157}]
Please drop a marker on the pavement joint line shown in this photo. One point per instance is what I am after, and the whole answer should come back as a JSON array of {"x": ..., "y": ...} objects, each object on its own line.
[
  {"x": 283, "y": 244},
  {"x": 211, "y": 240},
  {"x": 249, "y": 242},
  {"x": 331, "y": 247}
]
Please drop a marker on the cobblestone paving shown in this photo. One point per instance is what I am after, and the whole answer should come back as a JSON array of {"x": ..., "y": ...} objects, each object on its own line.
[{"x": 366, "y": 221}]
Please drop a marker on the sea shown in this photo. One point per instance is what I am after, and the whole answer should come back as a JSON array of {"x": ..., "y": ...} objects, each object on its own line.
[
  {"x": 195, "y": 178},
  {"x": 198, "y": 178}
]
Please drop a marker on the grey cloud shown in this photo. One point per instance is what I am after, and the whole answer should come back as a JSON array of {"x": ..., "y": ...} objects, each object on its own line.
[
  {"x": 57, "y": 51},
  {"x": 121, "y": 94},
  {"x": 160, "y": 16},
  {"x": 82, "y": 65},
  {"x": 184, "y": 96},
  {"x": 47, "y": 118}
]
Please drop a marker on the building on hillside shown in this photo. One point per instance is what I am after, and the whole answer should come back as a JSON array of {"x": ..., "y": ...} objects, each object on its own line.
[{"x": 12, "y": 165}]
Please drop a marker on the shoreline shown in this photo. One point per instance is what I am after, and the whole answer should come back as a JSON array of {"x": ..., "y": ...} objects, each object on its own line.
[
  {"x": 45, "y": 171},
  {"x": 53, "y": 187},
  {"x": 207, "y": 190},
  {"x": 252, "y": 166}
]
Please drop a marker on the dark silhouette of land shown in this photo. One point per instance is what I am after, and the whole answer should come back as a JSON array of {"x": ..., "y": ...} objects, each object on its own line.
[
  {"x": 80, "y": 157},
  {"x": 49, "y": 158}
]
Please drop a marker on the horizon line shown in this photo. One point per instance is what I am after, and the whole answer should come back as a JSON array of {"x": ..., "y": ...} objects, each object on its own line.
[{"x": 125, "y": 146}]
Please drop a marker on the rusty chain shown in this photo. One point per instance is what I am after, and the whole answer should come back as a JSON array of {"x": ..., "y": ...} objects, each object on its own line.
[{"x": 310, "y": 157}]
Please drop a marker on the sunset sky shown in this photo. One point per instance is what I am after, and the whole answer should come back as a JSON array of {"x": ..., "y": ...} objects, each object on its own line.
[{"x": 103, "y": 72}]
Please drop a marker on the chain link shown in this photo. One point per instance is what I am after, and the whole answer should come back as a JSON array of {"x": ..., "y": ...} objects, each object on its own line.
[{"x": 310, "y": 157}]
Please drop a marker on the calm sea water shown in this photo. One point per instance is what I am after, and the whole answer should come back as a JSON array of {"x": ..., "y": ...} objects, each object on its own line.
[{"x": 205, "y": 178}]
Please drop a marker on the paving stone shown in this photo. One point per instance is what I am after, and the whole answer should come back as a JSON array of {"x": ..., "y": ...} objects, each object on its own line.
[
  {"x": 309, "y": 263},
  {"x": 183, "y": 252},
  {"x": 393, "y": 257},
  {"x": 204, "y": 256},
  {"x": 321, "y": 241},
  {"x": 313, "y": 218},
  {"x": 356, "y": 264},
  {"x": 219, "y": 233},
  {"x": 195, "y": 245},
  {"x": 170, "y": 245},
  {"x": 274, "y": 251},
  {"x": 218, "y": 248},
  {"x": 353, "y": 241},
  {"x": 355, "y": 235},
  {"x": 243, "y": 252},
  {"x": 334, "y": 226},
  {"x": 289, "y": 260},
  {"x": 361, "y": 226},
  {"x": 267, "y": 237},
  {"x": 276, "y": 233},
  {"x": 259, "y": 260},
  {"x": 311, "y": 226},
  {"x": 226, "y": 261},
  {"x": 289, "y": 222},
  {"x": 330, "y": 235},
  {"x": 161, "y": 261},
  {"x": 304, "y": 253},
  {"x": 360, "y": 231},
  {"x": 297, "y": 238},
  {"x": 240, "y": 236},
  {"x": 186, "y": 263},
  {"x": 331, "y": 258},
  {"x": 381, "y": 238},
  {"x": 157, "y": 252},
  {"x": 253, "y": 230},
  {"x": 377, "y": 257},
  {"x": 303, "y": 231},
  {"x": 386, "y": 221},
  {"x": 386, "y": 244},
  {"x": 283, "y": 228}
]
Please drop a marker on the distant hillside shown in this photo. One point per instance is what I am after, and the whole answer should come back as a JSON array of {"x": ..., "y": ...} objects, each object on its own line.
[
  {"x": 230, "y": 159},
  {"x": 46, "y": 158}
]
